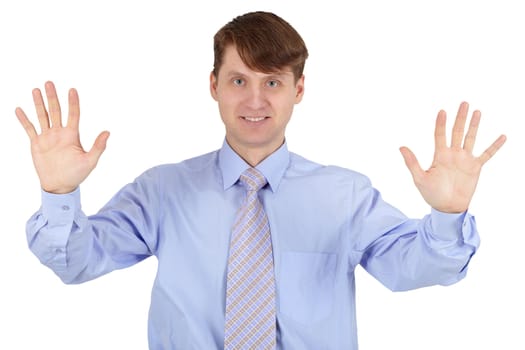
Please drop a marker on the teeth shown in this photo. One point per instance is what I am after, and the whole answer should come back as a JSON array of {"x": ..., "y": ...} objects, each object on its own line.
[{"x": 254, "y": 119}]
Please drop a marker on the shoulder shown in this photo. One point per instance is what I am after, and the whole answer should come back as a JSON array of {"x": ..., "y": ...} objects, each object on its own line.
[
  {"x": 332, "y": 174},
  {"x": 186, "y": 169}
]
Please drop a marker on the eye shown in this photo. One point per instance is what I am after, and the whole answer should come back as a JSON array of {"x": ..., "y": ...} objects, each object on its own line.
[
  {"x": 273, "y": 83},
  {"x": 238, "y": 82}
]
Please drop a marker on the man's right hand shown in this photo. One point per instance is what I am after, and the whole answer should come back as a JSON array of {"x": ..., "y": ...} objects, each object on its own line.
[{"x": 60, "y": 161}]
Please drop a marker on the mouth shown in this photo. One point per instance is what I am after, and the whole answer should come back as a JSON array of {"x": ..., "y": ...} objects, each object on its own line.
[{"x": 254, "y": 119}]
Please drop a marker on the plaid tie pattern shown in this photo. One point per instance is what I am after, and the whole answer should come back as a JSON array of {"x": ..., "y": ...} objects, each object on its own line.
[{"x": 250, "y": 321}]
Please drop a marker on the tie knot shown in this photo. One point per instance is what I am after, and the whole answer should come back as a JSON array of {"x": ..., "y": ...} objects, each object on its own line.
[{"x": 253, "y": 179}]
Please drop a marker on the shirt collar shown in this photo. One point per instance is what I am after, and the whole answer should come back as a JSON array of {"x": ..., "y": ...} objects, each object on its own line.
[{"x": 273, "y": 167}]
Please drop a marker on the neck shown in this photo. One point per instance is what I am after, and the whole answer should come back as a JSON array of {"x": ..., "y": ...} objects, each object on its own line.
[{"x": 254, "y": 155}]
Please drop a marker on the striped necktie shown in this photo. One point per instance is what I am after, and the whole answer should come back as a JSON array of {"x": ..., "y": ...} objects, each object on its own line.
[{"x": 250, "y": 321}]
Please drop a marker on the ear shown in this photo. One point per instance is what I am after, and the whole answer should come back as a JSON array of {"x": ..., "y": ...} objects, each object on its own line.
[
  {"x": 299, "y": 88},
  {"x": 213, "y": 86}
]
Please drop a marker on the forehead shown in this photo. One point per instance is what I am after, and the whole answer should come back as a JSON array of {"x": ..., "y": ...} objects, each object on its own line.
[
  {"x": 233, "y": 64},
  {"x": 231, "y": 57}
]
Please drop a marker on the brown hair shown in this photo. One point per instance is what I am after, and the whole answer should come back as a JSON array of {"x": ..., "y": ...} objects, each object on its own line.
[{"x": 265, "y": 42}]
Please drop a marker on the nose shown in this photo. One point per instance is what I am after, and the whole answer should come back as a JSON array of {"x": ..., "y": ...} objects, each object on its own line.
[{"x": 256, "y": 97}]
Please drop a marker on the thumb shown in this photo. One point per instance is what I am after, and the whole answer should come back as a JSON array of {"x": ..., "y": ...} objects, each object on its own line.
[
  {"x": 99, "y": 146},
  {"x": 411, "y": 162}
]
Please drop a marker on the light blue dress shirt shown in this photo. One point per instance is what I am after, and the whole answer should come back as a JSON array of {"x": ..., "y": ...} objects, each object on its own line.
[{"x": 324, "y": 221}]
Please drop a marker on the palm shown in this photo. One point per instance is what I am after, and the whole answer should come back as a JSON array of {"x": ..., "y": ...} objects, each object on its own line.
[
  {"x": 449, "y": 184},
  {"x": 60, "y": 161}
]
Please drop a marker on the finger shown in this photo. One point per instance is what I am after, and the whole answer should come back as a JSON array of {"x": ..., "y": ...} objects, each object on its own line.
[
  {"x": 41, "y": 111},
  {"x": 99, "y": 146},
  {"x": 411, "y": 163},
  {"x": 28, "y": 126},
  {"x": 53, "y": 104},
  {"x": 491, "y": 151},
  {"x": 459, "y": 126},
  {"x": 470, "y": 138},
  {"x": 440, "y": 133},
  {"x": 74, "y": 109}
]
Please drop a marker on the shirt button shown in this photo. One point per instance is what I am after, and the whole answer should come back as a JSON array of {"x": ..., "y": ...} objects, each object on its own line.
[
  {"x": 65, "y": 207},
  {"x": 59, "y": 250}
]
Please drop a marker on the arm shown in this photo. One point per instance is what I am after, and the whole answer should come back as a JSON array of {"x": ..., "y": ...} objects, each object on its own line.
[
  {"x": 76, "y": 247},
  {"x": 79, "y": 248},
  {"x": 405, "y": 254}
]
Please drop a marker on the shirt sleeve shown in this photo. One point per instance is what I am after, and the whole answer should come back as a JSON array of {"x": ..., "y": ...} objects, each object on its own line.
[
  {"x": 404, "y": 253},
  {"x": 79, "y": 247}
]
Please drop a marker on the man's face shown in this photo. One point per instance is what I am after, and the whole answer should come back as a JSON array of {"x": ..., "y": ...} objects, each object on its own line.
[{"x": 255, "y": 107}]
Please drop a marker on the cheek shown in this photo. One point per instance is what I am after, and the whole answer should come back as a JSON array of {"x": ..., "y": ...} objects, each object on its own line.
[
  {"x": 229, "y": 98},
  {"x": 285, "y": 105},
  {"x": 223, "y": 99},
  {"x": 227, "y": 107}
]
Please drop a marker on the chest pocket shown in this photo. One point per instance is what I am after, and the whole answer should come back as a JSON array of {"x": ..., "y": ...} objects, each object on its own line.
[{"x": 306, "y": 285}]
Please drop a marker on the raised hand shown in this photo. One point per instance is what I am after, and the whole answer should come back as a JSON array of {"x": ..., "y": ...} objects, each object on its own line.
[
  {"x": 60, "y": 161},
  {"x": 449, "y": 184}
]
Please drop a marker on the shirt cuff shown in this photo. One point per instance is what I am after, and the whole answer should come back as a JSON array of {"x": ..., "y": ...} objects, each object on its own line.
[
  {"x": 448, "y": 226},
  {"x": 60, "y": 209}
]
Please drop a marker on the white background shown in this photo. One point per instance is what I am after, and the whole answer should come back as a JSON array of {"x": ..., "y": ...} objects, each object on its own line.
[{"x": 378, "y": 73}]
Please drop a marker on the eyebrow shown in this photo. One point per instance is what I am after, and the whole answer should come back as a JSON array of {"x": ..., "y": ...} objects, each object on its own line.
[{"x": 278, "y": 74}]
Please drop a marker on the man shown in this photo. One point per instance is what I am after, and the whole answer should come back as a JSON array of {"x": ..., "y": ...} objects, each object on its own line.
[{"x": 256, "y": 246}]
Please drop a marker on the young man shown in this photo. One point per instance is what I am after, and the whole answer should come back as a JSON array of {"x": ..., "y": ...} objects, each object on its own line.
[{"x": 256, "y": 246}]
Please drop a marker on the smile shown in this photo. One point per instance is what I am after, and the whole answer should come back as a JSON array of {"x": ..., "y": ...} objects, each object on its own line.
[{"x": 254, "y": 119}]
